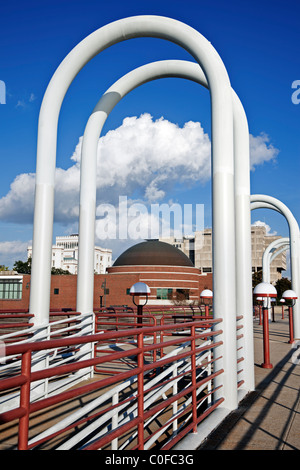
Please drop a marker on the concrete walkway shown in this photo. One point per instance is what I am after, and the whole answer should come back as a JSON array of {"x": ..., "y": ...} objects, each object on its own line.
[{"x": 269, "y": 418}]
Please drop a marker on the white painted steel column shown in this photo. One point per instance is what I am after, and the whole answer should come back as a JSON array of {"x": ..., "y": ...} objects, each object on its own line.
[
  {"x": 266, "y": 258},
  {"x": 244, "y": 302},
  {"x": 260, "y": 201},
  {"x": 222, "y": 168},
  {"x": 135, "y": 78}
]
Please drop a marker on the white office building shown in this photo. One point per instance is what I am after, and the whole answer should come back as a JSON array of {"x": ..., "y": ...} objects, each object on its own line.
[
  {"x": 199, "y": 249},
  {"x": 65, "y": 255}
]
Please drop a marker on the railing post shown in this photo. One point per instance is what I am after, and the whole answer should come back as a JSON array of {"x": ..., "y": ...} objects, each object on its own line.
[
  {"x": 193, "y": 368},
  {"x": 115, "y": 420},
  {"x": 175, "y": 404},
  {"x": 154, "y": 339},
  {"x": 291, "y": 325},
  {"x": 140, "y": 380},
  {"x": 266, "y": 346},
  {"x": 25, "y": 401}
]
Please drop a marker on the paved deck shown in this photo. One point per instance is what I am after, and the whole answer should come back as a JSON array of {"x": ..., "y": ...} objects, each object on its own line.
[{"x": 269, "y": 418}]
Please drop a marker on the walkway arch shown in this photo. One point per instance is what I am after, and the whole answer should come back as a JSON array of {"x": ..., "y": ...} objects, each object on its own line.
[
  {"x": 285, "y": 247},
  {"x": 268, "y": 253},
  {"x": 222, "y": 168},
  {"x": 135, "y": 78},
  {"x": 260, "y": 201}
]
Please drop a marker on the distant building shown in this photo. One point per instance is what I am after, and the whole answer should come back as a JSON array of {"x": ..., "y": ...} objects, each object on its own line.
[
  {"x": 65, "y": 255},
  {"x": 169, "y": 273},
  {"x": 199, "y": 250}
]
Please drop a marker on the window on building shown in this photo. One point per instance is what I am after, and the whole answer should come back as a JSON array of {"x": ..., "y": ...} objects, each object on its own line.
[
  {"x": 56, "y": 291},
  {"x": 207, "y": 270},
  {"x": 11, "y": 289},
  {"x": 164, "y": 293}
]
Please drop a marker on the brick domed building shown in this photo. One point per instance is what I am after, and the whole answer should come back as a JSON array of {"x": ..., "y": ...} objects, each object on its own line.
[{"x": 169, "y": 273}]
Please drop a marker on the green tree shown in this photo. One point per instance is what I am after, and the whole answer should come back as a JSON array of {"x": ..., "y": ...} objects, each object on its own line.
[
  {"x": 256, "y": 278},
  {"x": 3, "y": 268},
  {"x": 59, "y": 271},
  {"x": 282, "y": 285},
  {"x": 23, "y": 267}
]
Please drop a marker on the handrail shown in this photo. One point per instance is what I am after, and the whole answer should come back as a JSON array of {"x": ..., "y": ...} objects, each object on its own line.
[{"x": 27, "y": 377}]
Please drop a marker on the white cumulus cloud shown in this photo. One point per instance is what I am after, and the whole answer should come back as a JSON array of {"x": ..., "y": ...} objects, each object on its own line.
[
  {"x": 13, "y": 250},
  {"x": 259, "y": 223},
  {"x": 142, "y": 159},
  {"x": 261, "y": 150}
]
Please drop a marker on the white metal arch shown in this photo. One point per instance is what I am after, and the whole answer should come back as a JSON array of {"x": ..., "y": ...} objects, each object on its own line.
[
  {"x": 85, "y": 280},
  {"x": 260, "y": 201},
  {"x": 285, "y": 247},
  {"x": 269, "y": 251},
  {"x": 215, "y": 72},
  {"x": 222, "y": 168}
]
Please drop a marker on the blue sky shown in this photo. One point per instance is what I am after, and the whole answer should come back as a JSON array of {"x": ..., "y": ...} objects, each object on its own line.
[{"x": 258, "y": 42}]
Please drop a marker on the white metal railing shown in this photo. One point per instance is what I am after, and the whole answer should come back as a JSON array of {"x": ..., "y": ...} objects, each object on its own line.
[{"x": 81, "y": 325}]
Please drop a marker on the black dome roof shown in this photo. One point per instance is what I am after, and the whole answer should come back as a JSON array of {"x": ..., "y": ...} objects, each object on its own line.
[{"x": 153, "y": 252}]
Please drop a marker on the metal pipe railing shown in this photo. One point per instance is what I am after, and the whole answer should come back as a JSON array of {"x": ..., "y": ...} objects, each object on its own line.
[{"x": 140, "y": 371}]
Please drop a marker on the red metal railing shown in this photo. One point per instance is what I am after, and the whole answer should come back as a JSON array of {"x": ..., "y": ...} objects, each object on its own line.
[
  {"x": 18, "y": 325},
  {"x": 188, "y": 416},
  {"x": 127, "y": 319}
]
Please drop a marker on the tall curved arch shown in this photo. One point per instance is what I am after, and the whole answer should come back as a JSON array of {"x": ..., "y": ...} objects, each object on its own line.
[
  {"x": 269, "y": 251},
  {"x": 223, "y": 203},
  {"x": 285, "y": 247},
  {"x": 260, "y": 201},
  {"x": 94, "y": 126},
  {"x": 222, "y": 132}
]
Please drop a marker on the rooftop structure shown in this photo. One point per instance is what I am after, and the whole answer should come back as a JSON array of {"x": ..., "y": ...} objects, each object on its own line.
[
  {"x": 199, "y": 250},
  {"x": 153, "y": 252},
  {"x": 65, "y": 255}
]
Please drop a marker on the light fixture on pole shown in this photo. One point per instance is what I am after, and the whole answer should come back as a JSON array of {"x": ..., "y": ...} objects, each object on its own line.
[
  {"x": 140, "y": 289},
  {"x": 282, "y": 308},
  {"x": 290, "y": 296},
  {"x": 259, "y": 299},
  {"x": 266, "y": 291},
  {"x": 206, "y": 295}
]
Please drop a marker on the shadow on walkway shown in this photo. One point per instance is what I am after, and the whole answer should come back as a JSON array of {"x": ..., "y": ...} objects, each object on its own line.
[{"x": 268, "y": 418}]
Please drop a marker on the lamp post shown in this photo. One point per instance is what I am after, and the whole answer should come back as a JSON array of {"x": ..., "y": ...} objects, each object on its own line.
[
  {"x": 206, "y": 294},
  {"x": 267, "y": 291},
  {"x": 140, "y": 289},
  {"x": 259, "y": 299},
  {"x": 282, "y": 308},
  {"x": 273, "y": 308},
  {"x": 291, "y": 296}
]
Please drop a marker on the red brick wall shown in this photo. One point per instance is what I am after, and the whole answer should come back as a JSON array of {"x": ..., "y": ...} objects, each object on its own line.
[
  {"x": 22, "y": 304},
  {"x": 117, "y": 284}
]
